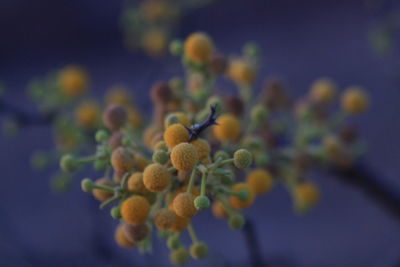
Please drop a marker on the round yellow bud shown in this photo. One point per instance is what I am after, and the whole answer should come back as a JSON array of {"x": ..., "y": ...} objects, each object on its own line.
[
  {"x": 183, "y": 205},
  {"x": 118, "y": 95},
  {"x": 184, "y": 157},
  {"x": 203, "y": 148},
  {"x": 176, "y": 134},
  {"x": 154, "y": 42},
  {"x": 228, "y": 128},
  {"x": 260, "y": 181},
  {"x": 100, "y": 194},
  {"x": 183, "y": 119},
  {"x": 218, "y": 210},
  {"x": 323, "y": 90},
  {"x": 87, "y": 114},
  {"x": 355, "y": 100},
  {"x": 136, "y": 185},
  {"x": 179, "y": 224},
  {"x": 121, "y": 239},
  {"x": 122, "y": 159},
  {"x": 198, "y": 47},
  {"x": 306, "y": 194},
  {"x": 164, "y": 219},
  {"x": 156, "y": 177},
  {"x": 235, "y": 200},
  {"x": 241, "y": 72},
  {"x": 73, "y": 80},
  {"x": 135, "y": 210}
]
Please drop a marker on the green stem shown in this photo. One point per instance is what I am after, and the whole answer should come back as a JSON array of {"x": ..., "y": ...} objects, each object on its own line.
[
  {"x": 108, "y": 202},
  {"x": 105, "y": 188},
  {"x": 192, "y": 233},
  {"x": 191, "y": 181},
  {"x": 171, "y": 169},
  {"x": 226, "y": 161},
  {"x": 226, "y": 206},
  {"x": 203, "y": 184},
  {"x": 88, "y": 159}
]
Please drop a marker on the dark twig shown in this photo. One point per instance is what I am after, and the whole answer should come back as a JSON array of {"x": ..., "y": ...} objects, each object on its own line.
[
  {"x": 253, "y": 245},
  {"x": 372, "y": 184},
  {"x": 23, "y": 117}
]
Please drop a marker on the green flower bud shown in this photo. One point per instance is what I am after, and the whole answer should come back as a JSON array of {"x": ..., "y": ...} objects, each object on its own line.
[
  {"x": 242, "y": 158},
  {"x": 39, "y": 160},
  {"x": 170, "y": 119},
  {"x": 221, "y": 154},
  {"x": 101, "y": 136},
  {"x": 259, "y": 113},
  {"x": 125, "y": 141},
  {"x": 160, "y": 157},
  {"x": 236, "y": 221},
  {"x": 262, "y": 159},
  {"x": 199, "y": 250},
  {"x": 161, "y": 145},
  {"x": 251, "y": 50},
  {"x": 87, "y": 185},
  {"x": 176, "y": 85},
  {"x": 173, "y": 242},
  {"x": 179, "y": 256},
  {"x": 68, "y": 163},
  {"x": 116, "y": 212},
  {"x": 201, "y": 202},
  {"x": 99, "y": 165},
  {"x": 242, "y": 195},
  {"x": 176, "y": 47}
]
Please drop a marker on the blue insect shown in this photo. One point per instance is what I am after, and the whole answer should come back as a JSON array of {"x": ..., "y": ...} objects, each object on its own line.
[{"x": 196, "y": 129}]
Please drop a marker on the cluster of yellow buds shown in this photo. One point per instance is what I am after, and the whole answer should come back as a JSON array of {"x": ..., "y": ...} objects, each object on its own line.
[
  {"x": 203, "y": 149},
  {"x": 149, "y": 25}
]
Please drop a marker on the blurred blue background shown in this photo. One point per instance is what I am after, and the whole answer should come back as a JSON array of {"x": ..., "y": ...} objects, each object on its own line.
[{"x": 300, "y": 40}]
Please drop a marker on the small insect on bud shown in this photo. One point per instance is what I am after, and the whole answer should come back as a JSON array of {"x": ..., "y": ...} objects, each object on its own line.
[
  {"x": 242, "y": 158},
  {"x": 199, "y": 250},
  {"x": 156, "y": 177},
  {"x": 68, "y": 163},
  {"x": 202, "y": 202},
  {"x": 236, "y": 221},
  {"x": 87, "y": 185},
  {"x": 160, "y": 156},
  {"x": 179, "y": 256}
]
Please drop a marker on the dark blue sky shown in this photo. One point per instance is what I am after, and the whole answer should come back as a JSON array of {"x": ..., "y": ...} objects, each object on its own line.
[{"x": 301, "y": 41}]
